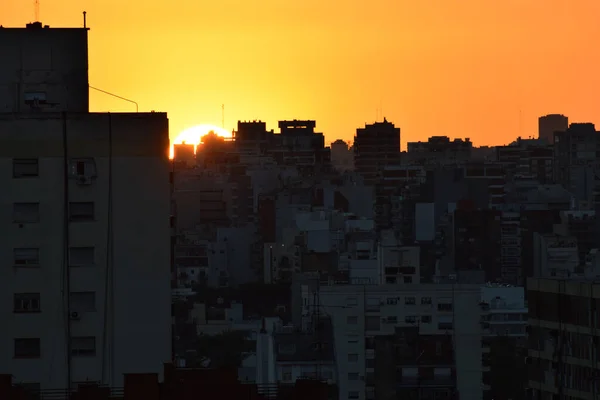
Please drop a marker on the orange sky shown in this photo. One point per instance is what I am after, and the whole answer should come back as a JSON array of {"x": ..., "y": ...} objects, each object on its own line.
[{"x": 462, "y": 68}]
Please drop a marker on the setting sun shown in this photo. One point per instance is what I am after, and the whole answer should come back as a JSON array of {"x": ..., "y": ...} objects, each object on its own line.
[{"x": 194, "y": 135}]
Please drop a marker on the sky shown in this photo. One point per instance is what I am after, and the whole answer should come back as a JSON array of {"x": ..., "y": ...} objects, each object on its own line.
[{"x": 463, "y": 68}]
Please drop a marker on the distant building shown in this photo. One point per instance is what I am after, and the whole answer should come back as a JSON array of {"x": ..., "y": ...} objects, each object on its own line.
[
  {"x": 439, "y": 150},
  {"x": 184, "y": 154},
  {"x": 563, "y": 338},
  {"x": 421, "y": 340},
  {"x": 342, "y": 156},
  {"x": 376, "y": 146},
  {"x": 549, "y": 124},
  {"x": 576, "y": 161}
]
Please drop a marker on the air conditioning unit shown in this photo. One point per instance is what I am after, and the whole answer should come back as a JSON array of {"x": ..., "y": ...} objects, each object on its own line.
[
  {"x": 74, "y": 316},
  {"x": 83, "y": 180}
]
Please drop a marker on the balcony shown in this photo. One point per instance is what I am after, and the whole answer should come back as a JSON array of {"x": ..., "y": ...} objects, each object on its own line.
[
  {"x": 417, "y": 382},
  {"x": 303, "y": 388}
]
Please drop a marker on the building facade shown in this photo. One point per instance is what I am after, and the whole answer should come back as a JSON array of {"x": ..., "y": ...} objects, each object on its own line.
[
  {"x": 563, "y": 338},
  {"x": 368, "y": 319},
  {"x": 84, "y": 213}
]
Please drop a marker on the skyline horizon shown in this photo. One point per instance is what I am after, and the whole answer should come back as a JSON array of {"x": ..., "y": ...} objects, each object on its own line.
[{"x": 484, "y": 71}]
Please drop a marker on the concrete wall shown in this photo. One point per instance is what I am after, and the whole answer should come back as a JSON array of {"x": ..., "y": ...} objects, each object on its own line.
[
  {"x": 137, "y": 247},
  {"x": 43, "y": 60}
]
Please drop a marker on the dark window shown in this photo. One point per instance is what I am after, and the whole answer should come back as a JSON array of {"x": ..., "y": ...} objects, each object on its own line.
[
  {"x": 83, "y": 346},
  {"x": 81, "y": 211},
  {"x": 26, "y": 212},
  {"x": 25, "y": 167},
  {"x": 26, "y": 257},
  {"x": 26, "y": 302},
  {"x": 27, "y": 348}
]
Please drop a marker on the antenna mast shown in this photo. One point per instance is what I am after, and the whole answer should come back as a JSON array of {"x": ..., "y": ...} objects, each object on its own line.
[{"x": 36, "y": 5}]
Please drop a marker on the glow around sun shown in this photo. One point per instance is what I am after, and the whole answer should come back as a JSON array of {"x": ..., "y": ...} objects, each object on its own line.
[{"x": 194, "y": 135}]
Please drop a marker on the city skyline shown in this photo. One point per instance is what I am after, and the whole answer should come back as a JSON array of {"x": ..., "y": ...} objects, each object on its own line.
[{"x": 408, "y": 62}]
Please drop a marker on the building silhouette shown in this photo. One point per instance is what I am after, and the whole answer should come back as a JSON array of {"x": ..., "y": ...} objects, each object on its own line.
[
  {"x": 85, "y": 222},
  {"x": 548, "y": 124}
]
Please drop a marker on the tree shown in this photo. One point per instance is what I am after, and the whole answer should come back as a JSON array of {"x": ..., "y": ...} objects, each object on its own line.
[{"x": 225, "y": 349}]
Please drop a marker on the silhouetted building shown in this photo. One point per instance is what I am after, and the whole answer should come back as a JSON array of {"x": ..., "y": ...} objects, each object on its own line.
[
  {"x": 563, "y": 339},
  {"x": 88, "y": 236},
  {"x": 252, "y": 137},
  {"x": 528, "y": 159},
  {"x": 43, "y": 69},
  {"x": 577, "y": 165},
  {"x": 549, "y": 124},
  {"x": 376, "y": 146},
  {"x": 184, "y": 154},
  {"x": 439, "y": 150},
  {"x": 298, "y": 144},
  {"x": 342, "y": 156}
]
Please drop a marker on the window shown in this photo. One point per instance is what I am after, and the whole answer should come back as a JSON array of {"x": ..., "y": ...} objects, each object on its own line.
[
  {"x": 407, "y": 279},
  {"x": 287, "y": 348},
  {"x": 26, "y": 302},
  {"x": 286, "y": 374},
  {"x": 82, "y": 167},
  {"x": 426, "y": 301},
  {"x": 82, "y": 301},
  {"x": 373, "y": 304},
  {"x": 426, "y": 319},
  {"x": 81, "y": 211},
  {"x": 352, "y": 301},
  {"x": 27, "y": 348},
  {"x": 353, "y": 339},
  {"x": 409, "y": 301},
  {"x": 352, "y": 357},
  {"x": 445, "y": 326},
  {"x": 25, "y": 167},
  {"x": 83, "y": 346},
  {"x": 372, "y": 323},
  {"x": 444, "y": 307},
  {"x": 353, "y": 395},
  {"x": 352, "y": 320},
  {"x": 32, "y": 388},
  {"x": 352, "y": 376},
  {"x": 26, "y": 212},
  {"x": 326, "y": 374},
  {"x": 392, "y": 301},
  {"x": 410, "y": 319},
  {"x": 81, "y": 256},
  {"x": 26, "y": 257}
]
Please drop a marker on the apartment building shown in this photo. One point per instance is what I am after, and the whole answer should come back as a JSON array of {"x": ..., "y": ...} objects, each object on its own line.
[
  {"x": 377, "y": 329},
  {"x": 375, "y": 147},
  {"x": 504, "y": 340},
  {"x": 84, "y": 213},
  {"x": 439, "y": 150},
  {"x": 563, "y": 338}
]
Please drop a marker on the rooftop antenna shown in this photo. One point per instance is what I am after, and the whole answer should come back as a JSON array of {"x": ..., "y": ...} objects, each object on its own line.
[
  {"x": 36, "y": 5},
  {"x": 84, "y": 20}
]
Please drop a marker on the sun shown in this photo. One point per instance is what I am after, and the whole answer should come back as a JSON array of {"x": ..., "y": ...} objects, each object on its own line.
[{"x": 194, "y": 135}]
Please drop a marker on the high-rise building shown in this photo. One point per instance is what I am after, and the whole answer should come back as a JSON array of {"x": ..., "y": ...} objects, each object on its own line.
[
  {"x": 419, "y": 341},
  {"x": 548, "y": 124},
  {"x": 84, "y": 214},
  {"x": 576, "y": 162},
  {"x": 376, "y": 146},
  {"x": 563, "y": 338}
]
